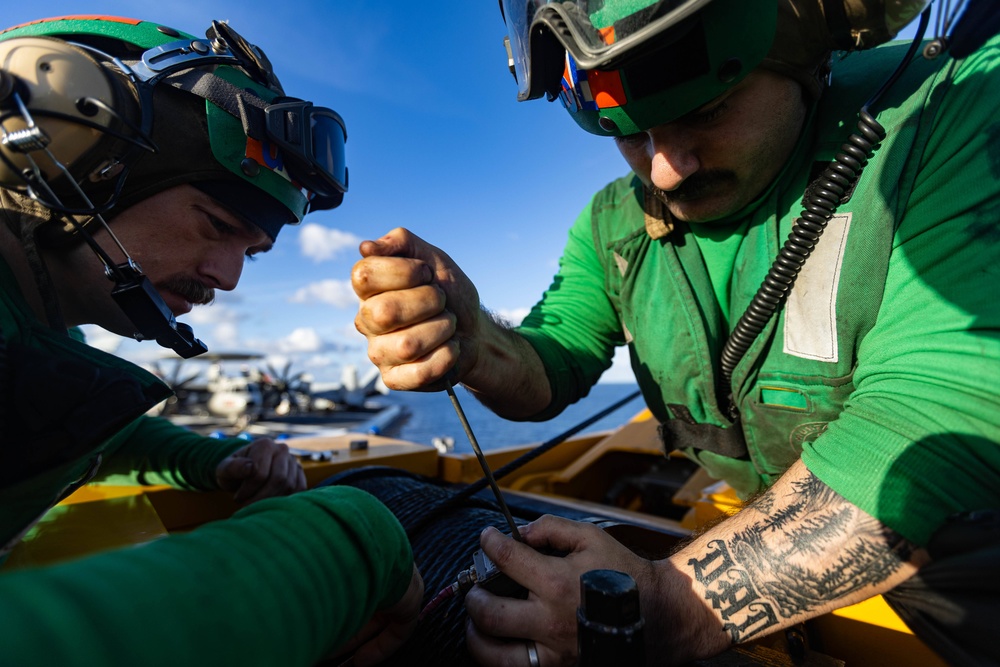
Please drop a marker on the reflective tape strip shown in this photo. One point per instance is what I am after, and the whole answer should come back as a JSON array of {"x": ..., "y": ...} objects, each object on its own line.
[{"x": 811, "y": 311}]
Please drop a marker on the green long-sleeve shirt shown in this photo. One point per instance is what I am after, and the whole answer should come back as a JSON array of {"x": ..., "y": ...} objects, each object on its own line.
[
  {"x": 283, "y": 582},
  {"x": 883, "y": 370}
]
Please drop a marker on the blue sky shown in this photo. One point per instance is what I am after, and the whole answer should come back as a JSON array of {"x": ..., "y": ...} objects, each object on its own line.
[{"x": 437, "y": 142}]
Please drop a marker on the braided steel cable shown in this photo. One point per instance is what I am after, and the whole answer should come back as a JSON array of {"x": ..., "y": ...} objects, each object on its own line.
[{"x": 442, "y": 548}]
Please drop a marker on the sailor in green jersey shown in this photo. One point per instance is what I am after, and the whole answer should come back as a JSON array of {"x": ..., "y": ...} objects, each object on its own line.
[
  {"x": 139, "y": 167},
  {"x": 859, "y": 415}
]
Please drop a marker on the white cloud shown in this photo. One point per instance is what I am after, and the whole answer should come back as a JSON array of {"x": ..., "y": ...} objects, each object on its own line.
[
  {"x": 214, "y": 314},
  {"x": 303, "y": 339},
  {"x": 513, "y": 315},
  {"x": 102, "y": 339},
  {"x": 337, "y": 293},
  {"x": 226, "y": 334},
  {"x": 621, "y": 367},
  {"x": 320, "y": 243}
]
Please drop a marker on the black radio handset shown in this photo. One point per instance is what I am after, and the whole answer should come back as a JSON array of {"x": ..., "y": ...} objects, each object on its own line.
[{"x": 153, "y": 320}]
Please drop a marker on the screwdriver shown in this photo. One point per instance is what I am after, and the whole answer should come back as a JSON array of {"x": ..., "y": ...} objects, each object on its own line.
[{"x": 482, "y": 461}]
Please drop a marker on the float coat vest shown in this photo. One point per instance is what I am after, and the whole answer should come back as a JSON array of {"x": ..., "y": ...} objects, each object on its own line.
[{"x": 797, "y": 375}]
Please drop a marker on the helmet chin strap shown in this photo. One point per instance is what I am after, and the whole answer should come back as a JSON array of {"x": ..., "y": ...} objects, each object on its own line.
[{"x": 133, "y": 292}]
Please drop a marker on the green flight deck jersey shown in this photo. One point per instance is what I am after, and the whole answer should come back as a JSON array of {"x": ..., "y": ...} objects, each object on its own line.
[
  {"x": 882, "y": 370},
  {"x": 283, "y": 582}
]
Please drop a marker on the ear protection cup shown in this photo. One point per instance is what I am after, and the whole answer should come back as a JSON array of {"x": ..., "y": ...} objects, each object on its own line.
[
  {"x": 863, "y": 24},
  {"x": 58, "y": 83},
  {"x": 809, "y": 30}
]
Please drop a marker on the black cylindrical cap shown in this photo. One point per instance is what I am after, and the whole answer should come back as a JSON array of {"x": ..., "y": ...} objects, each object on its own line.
[{"x": 609, "y": 597}]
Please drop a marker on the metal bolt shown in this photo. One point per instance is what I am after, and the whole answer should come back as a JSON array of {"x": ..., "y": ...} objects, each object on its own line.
[
  {"x": 169, "y": 32},
  {"x": 935, "y": 48},
  {"x": 729, "y": 70},
  {"x": 607, "y": 124},
  {"x": 250, "y": 167}
]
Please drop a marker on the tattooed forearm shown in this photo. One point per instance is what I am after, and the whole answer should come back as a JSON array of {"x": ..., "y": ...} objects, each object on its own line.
[
  {"x": 743, "y": 609},
  {"x": 798, "y": 550}
]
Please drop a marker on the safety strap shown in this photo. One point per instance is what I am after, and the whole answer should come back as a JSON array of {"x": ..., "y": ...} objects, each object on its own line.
[
  {"x": 682, "y": 431},
  {"x": 238, "y": 102}
]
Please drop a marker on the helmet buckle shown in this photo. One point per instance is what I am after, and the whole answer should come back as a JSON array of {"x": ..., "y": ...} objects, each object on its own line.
[{"x": 107, "y": 171}]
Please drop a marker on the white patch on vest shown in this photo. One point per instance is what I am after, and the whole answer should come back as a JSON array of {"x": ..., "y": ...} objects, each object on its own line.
[
  {"x": 622, "y": 264},
  {"x": 628, "y": 334},
  {"x": 811, "y": 311}
]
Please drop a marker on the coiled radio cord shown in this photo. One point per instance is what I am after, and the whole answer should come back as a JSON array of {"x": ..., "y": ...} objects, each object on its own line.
[{"x": 831, "y": 189}]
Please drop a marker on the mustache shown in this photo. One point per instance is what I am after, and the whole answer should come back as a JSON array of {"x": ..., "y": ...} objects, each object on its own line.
[
  {"x": 696, "y": 185},
  {"x": 192, "y": 290}
]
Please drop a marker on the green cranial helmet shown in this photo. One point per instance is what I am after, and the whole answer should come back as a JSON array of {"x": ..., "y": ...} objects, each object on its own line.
[
  {"x": 624, "y": 66},
  {"x": 99, "y": 113}
]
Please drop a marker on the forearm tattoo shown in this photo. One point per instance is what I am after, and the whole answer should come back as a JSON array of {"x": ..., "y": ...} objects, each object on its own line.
[{"x": 801, "y": 551}]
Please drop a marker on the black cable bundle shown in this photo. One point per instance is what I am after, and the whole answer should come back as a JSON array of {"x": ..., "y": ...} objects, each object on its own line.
[{"x": 442, "y": 547}]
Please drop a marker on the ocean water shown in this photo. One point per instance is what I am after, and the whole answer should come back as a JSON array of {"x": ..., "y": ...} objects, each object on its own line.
[{"x": 431, "y": 415}]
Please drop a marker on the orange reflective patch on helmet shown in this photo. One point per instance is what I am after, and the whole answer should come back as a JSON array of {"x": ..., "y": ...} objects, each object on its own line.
[
  {"x": 591, "y": 90},
  {"x": 266, "y": 155},
  {"x": 76, "y": 17},
  {"x": 607, "y": 88}
]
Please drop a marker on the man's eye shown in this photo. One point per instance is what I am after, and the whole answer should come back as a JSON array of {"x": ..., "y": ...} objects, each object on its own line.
[
  {"x": 250, "y": 256},
  {"x": 223, "y": 227},
  {"x": 708, "y": 115},
  {"x": 636, "y": 139}
]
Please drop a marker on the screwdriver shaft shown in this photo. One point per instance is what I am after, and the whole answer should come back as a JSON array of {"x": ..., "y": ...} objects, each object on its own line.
[{"x": 482, "y": 462}]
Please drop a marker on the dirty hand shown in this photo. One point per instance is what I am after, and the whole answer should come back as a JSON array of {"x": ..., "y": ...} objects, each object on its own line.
[
  {"x": 418, "y": 311},
  {"x": 262, "y": 469},
  {"x": 388, "y": 629},
  {"x": 499, "y": 627}
]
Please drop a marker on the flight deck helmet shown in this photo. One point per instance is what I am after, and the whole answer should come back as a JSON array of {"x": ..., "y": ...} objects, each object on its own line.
[
  {"x": 99, "y": 113},
  {"x": 624, "y": 66}
]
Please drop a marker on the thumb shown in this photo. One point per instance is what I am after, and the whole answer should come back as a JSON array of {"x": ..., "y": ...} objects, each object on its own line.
[
  {"x": 232, "y": 471},
  {"x": 397, "y": 243}
]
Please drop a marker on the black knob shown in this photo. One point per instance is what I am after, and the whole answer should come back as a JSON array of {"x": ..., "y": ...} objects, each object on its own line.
[{"x": 609, "y": 621}]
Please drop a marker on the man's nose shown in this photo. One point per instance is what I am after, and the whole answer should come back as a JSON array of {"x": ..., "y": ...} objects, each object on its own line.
[
  {"x": 673, "y": 157},
  {"x": 222, "y": 269}
]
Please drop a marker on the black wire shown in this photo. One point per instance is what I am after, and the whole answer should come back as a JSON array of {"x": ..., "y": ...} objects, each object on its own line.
[
  {"x": 526, "y": 458},
  {"x": 463, "y": 497},
  {"x": 140, "y": 140},
  {"x": 907, "y": 59}
]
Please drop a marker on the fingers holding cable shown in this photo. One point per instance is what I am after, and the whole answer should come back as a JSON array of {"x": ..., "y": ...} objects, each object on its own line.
[{"x": 500, "y": 626}]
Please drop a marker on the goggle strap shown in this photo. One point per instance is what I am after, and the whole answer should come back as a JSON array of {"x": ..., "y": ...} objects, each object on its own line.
[{"x": 235, "y": 101}]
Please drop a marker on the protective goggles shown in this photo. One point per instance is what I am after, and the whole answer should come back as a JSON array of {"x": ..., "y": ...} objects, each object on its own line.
[
  {"x": 311, "y": 139},
  {"x": 539, "y": 32}
]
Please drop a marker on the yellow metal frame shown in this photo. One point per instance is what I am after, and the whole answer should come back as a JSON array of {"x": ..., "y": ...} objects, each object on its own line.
[{"x": 100, "y": 517}]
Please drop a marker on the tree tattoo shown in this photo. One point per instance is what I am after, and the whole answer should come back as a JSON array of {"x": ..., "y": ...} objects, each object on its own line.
[{"x": 802, "y": 550}]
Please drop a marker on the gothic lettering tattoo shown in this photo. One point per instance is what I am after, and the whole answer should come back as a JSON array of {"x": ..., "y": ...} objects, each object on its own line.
[
  {"x": 803, "y": 550},
  {"x": 730, "y": 590}
]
